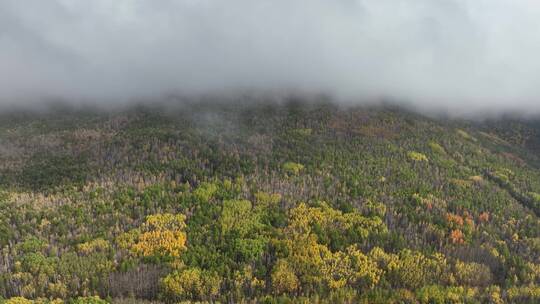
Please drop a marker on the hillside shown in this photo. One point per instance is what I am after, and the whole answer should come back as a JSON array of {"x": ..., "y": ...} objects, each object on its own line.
[{"x": 264, "y": 202}]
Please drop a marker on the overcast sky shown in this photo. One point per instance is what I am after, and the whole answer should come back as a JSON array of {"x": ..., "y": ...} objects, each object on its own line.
[{"x": 461, "y": 55}]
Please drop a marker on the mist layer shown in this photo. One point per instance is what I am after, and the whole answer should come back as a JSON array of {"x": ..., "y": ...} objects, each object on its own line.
[{"x": 456, "y": 55}]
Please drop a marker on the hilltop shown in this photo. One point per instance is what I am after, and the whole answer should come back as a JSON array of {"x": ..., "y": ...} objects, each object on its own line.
[{"x": 266, "y": 202}]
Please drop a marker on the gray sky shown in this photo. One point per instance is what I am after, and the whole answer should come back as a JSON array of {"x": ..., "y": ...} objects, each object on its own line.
[{"x": 460, "y": 55}]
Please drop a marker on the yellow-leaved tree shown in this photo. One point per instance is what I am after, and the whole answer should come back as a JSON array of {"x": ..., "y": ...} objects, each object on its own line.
[
  {"x": 352, "y": 268},
  {"x": 284, "y": 280},
  {"x": 308, "y": 264},
  {"x": 161, "y": 235},
  {"x": 192, "y": 284}
]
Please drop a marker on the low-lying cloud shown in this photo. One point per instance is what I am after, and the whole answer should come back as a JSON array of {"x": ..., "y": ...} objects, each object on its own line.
[{"x": 457, "y": 55}]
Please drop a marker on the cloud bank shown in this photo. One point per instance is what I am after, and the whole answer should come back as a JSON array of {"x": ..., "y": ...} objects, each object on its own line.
[{"x": 457, "y": 55}]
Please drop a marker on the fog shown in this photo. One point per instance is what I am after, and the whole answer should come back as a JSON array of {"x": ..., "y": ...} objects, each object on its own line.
[{"x": 461, "y": 56}]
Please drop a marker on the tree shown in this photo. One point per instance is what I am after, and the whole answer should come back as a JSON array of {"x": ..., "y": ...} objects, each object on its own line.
[
  {"x": 284, "y": 280},
  {"x": 473, "y": 274},
  {"x": 293, "y": 168},
  {"x": 18, "y": 300},
  {"x": 97, "y": 245},
  {"x": 417, "y": 156},
  {"x": 237, "y": 216},
  {"x": 413, "y": 269},
  {"x": 89, "y": 300},
  {"x": 192, "y": 284},
  {"x": 161, "y": 235}
]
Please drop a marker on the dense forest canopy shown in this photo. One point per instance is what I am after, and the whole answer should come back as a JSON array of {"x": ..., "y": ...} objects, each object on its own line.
[{"x": 289, "y": 202}]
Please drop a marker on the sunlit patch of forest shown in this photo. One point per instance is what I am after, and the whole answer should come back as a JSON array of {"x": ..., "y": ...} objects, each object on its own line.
[{"x": 290, "y": 202}]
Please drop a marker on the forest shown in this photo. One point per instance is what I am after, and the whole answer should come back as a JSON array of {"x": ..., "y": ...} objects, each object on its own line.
[{"x": 267, "y": 202}]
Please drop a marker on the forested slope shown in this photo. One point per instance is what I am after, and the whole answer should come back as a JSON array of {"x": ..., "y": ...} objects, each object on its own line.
[{"x": 268, "y": 202}]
